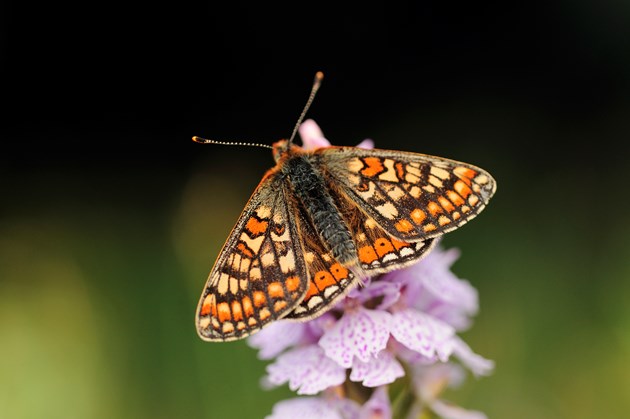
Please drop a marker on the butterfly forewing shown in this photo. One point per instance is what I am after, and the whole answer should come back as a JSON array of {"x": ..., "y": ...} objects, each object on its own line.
[
  {"x": 411, "y": 196},
  {"x": 260, "y": 274}
]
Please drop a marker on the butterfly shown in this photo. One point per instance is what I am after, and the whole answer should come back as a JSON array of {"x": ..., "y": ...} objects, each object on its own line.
[{"x": 322, "y": 220}]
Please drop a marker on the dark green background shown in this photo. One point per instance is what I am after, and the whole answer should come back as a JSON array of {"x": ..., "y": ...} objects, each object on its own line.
[{"x": 111, "y": 218}]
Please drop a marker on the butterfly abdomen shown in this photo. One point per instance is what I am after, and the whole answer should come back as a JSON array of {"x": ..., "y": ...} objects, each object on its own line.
[{"x": 308, "y": 185}]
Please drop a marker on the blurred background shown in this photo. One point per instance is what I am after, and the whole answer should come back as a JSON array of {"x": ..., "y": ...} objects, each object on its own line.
[{"x": 111, "y": 217}]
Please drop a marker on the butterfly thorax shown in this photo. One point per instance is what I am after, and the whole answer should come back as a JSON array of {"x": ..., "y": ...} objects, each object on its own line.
[{"x": 309, "y": 186}]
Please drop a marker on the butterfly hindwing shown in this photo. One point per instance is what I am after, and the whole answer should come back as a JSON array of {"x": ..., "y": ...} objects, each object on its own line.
[
  {"x": 260, "y": 273},
  {"x": 411, "y": 196},
  {"x": 329, "y": 280},
  {"x": 377, "y": 250}
]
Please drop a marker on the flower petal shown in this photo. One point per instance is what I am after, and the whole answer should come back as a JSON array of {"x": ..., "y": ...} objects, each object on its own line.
[
  {"x": 384, "y": 369},
  {"x": 367, "y": 144},
  {"x": 474, "y": 362},
  {"x": 378, "y": 406},
  {"x": 312, "y": 136},
  {"x": 360, "y": 332},
  {"x": 389, "y": 291},
  {"x": 448, "y": 410},
  {"x": 430, "y": 381},
  {"x": 307, "y": 369},
  {"x": 277, "y": 337},
  {"x": 304, "y": 407},
  {"x": 422, "y": 333},
  {"x": 430, "y": 286}
]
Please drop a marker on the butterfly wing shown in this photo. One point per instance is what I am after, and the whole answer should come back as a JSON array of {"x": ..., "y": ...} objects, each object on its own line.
[
  {"x": 411, "y": 196},
  {"x": 260, "y": 273},
  {"x": 377, "y": 252},
  {"x": 329, "y": 280}
]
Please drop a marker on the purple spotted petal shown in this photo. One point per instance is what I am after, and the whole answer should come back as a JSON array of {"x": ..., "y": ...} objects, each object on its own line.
[
  {"x": 422, "y": 333},
  {"x": 277, "y": 337},
  {"x": 312, "y": 136},
  {"x": 431, "y": 287},
  {"x": 378, "y": 371},
  {"x": 388, "y": 291},
  {"x": 360, "y": 333},
  {"x": 474, "y": 362},
  {"x": 315, "y": 328},
  {"x": 307, "y": 369},
  {"x": 305, "y": 407}
]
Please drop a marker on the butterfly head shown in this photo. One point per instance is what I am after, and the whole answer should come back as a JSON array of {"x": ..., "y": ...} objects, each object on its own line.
[{"x": 284, "y": 148}]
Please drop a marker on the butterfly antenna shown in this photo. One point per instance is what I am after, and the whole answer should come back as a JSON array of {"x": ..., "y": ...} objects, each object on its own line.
[
  {"x": 319, "y": 76},
  {"x": 206, "y": 141}
]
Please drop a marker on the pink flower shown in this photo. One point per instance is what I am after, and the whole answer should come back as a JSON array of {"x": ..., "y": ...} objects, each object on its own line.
[{"x": 406, "y": 317}]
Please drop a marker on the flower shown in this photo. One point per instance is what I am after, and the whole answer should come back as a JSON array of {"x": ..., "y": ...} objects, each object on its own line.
[{"x": 399, "y": 327}]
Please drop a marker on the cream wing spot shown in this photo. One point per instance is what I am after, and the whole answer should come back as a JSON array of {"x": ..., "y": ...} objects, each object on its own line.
[
  {"x": 255, "y": 274},
  {"x": 314, "y": 301},
  {"x": 267, "y": 259},
  {"x": 389, "y": 257},
  {"x": 439, "y": 172},
  {"x": 355, "y": 165},
  {"x": 415, "y": 192},
  {"x": 299, "y": 309},
  {"x": 244, "y": 266},
  {"x": 309, "y": 257},
  {"x": 406, "y": 251},
  {"x": 390, "y": 173},
  {"x": 223, "y": 283},
  {"x": 263, "y": 212},
  {"x": 396, "y": 193},
  {"x": 387, "y": 210},
  {"x": 435, "y": 181},
  {"x": 330, "y": 290},
  {"x": 413, "y": 170},
  {"x": 287, "y": 262},
  {"x": 482, "y": 179},
  {"x": 253, "y": 244},
  {"x": 233, "y": 285},
  {"x": 236, "y": 261},
  {"x": 411, "y": 178}
]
